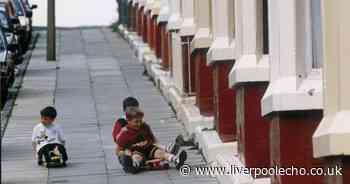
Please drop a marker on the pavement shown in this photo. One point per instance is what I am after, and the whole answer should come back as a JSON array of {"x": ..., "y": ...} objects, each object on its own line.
[{"x": 95, "y": 71}]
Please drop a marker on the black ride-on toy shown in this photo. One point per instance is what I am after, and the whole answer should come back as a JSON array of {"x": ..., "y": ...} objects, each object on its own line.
[{"x": 55, "y": 159}]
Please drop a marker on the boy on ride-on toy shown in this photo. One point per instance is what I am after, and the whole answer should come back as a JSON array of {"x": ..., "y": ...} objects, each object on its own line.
[
  {"x": 137, "y": 144},
  {"x": 48, "y": 137}
]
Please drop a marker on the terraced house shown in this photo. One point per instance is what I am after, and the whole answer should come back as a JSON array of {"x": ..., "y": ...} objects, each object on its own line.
[{"x": 257, "y": 83}]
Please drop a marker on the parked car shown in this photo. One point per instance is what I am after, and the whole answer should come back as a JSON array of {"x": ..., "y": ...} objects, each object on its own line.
[
  {"x": 7, "y": 67},
  {"x": 25, "y": 24},
  {"x": 29, "y": 13},
  {"x": 10, "y": 29}
]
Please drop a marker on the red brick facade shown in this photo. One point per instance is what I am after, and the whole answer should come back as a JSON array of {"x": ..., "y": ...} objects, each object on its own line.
[
  {"x": 291, "y": 144},
  {"x": 144, "y": 26},
  {"x": 204, "y": 83},
  {"x": 157, "y": 39},
  {"x": 164, "y": 46},
  {"x": 342, "y": 162},
  {"x": 224, "y": 101},
  {"x": 252, "y": 129}
]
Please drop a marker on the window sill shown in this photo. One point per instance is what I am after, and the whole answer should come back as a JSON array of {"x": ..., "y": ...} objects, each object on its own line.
[
  {"x": 283, "y": 95},
  {"x": 149, "y": 5},
  {"x": 174, "y": 22},
  {"x": 202, "y": 39},
  {"x": 155, "y": 10},
  {"x": 188, "y": 27},
  {"x": 332, "y": 135},
  {"x": 163, "y": 15},
  {"x": 250, "y": 68},
  {"x": 221, "y": 50},
  {"x": 142, "y": 3}
]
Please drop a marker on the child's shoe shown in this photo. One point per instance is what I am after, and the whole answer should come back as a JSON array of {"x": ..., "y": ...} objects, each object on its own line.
[{"x": 40, "y": 162}]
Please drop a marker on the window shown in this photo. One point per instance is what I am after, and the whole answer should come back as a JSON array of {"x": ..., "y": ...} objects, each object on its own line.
[
  {"x": 231, "y": 6},
  {"x": 3, "y": 20},
  {"x": 309, "y": 37},
  {"x": 210, "y": 16},
  {"x": 316, "y": 31},
  {"x": 265, "y": 18},
  {"x": 2, "y": 48}
]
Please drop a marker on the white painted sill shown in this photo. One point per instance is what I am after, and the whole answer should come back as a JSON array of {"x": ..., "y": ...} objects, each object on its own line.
[
  {"x": 163, "y": 14},
  {"x": 220, "y": 50},
  {"x": 174, "y": 22},
  {"x": 202, "y": 39},
  {"x": 284, "y": 95},
  {"x": 332, "y": 135},
  {"x": 250, "y": 68},
  {"x": 188, "y": 27},
  {"x": 142, "y": 3},
  {"x": 149, "y": 5},
  {"x": 155, "y": 10}
]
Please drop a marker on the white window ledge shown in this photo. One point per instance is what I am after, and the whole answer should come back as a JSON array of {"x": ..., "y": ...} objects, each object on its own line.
[
  {"x": 202, "y": 39},
  {"x": 155, "y": 8},
  {"x": 332, "y": 136},
  {"x": 283, "y": 95},
  {"x": 174, "y": 22},
  {"x": 250, "y": 68},
  {"x": 163, "y": 14},
  {"x": 148, "y": 6},
  {"x": 135, "y": 2},
  {"x": 221, "y": 49},
  {"x": 188, "y": 27},
  {"x": 142, "y": 3}
]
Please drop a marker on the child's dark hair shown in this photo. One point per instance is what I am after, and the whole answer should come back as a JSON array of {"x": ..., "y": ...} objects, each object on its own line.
[
  {"x": 130, "y": 102},
  {"x": 49, "y": 112}
]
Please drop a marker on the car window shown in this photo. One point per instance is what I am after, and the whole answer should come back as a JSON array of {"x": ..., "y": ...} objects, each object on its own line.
[
  {"x": 2, "y": 48},
  {"x": 18, "y": 8},
  {"x": 3, "y": 20}
]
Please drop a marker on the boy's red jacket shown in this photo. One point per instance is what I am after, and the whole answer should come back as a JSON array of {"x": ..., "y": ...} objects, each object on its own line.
[
  {"x": 129, "y": 136},
  {"x": 118, "y": 125}
]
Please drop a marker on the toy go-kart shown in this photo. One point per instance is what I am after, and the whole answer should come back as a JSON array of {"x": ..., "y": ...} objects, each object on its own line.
[{"x": 55, "y": 159}]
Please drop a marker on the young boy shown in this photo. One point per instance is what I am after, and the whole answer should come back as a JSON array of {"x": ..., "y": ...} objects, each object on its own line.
[
  {"x": 48, "y": 136},
  {"x": 122, "y": 122},
  {"x": 136, "y": 144}
]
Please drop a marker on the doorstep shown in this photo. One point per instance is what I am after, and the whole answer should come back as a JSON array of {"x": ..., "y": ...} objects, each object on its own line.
[
  {"x": 165, "y": 83},
  {"x": 190, "y": 116},
  {"x": 161, "y": 79},
  {"x": 227, "y": 159},
  {"x": 131, "y": 37},
  {"x": 149, "y": 59},
  {"x": 123, "y": 31}
]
